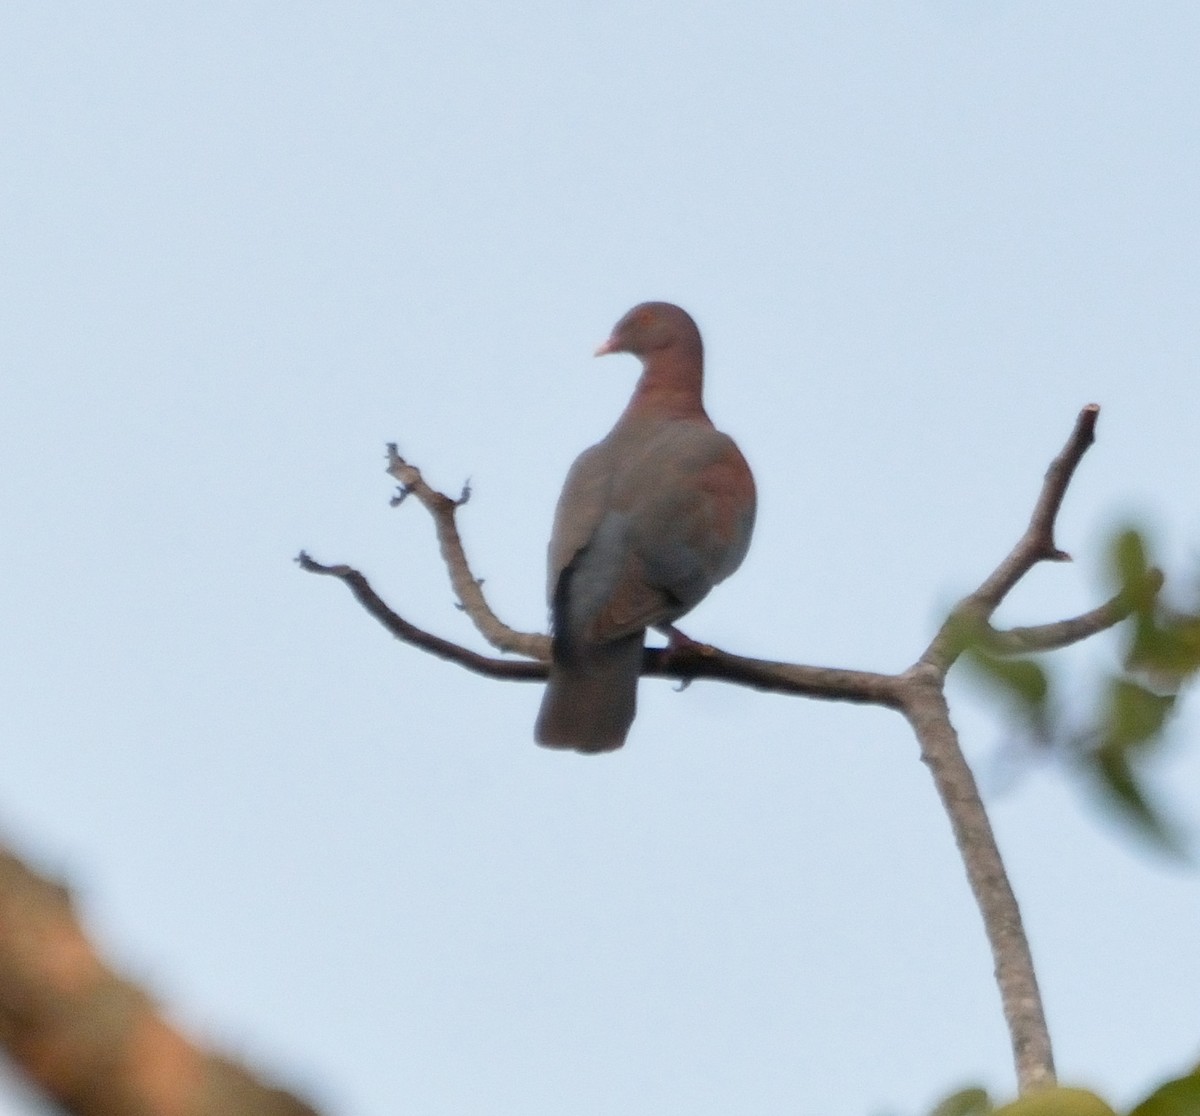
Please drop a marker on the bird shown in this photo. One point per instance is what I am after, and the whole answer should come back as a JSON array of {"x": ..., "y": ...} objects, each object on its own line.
[{"x": 649, "y": 520}]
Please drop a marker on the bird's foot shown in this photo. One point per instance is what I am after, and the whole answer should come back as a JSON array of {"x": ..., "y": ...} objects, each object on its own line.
[{"x": 679, "y": 643}]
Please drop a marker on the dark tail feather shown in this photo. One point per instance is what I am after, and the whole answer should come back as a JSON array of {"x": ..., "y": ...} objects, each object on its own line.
[{"x": 590, "y": 704}]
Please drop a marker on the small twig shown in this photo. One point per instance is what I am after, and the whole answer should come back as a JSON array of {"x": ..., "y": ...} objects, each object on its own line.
[
  {"x": 463, "y": 581},
  {"x": 1035, "y": 545},
  {"x": 1063, "y": 633},
  {"x": 513, "y": 670}
]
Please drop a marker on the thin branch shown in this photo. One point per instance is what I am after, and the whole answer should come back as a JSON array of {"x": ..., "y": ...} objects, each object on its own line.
[
  {"x": 926, "y": 709},
  {"x": 862, "y": 687},
  {"x": 465, "y": 584},
  {"x": 694, "y": 661},
  {"x": 1035, "y": 545},
  {"x": 927, "y": 712},
  {"x": 509, "y": 669},
  {"x": 1063, "y": 633},
  {"x": 89, "y": 1039}
]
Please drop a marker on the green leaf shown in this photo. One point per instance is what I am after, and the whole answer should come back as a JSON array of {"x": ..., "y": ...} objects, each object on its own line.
[
  {"x": 966, "y": 1102},
  {"x": 1136, "y": 715},
  {"x": 1112, "y": 757},
  {"x": 1120, "y": 785},
  {"x": 1180, "y": 1097},
  {"x": 1127, "y": 555},
  {"x": 1167, "y": 649},
  {"x": 1022, "y": 681},
  {"x": 1165, "y": 644},
  {"x": 1124, "y": 790}
]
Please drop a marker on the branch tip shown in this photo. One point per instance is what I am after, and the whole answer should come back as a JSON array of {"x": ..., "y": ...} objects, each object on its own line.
[
  {"x": 1035, "y": 545},
  {"x": 311, "y": 565}
]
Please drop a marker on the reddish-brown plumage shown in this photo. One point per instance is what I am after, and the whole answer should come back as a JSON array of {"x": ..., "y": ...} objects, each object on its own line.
[{"x": 649, "y": 520}]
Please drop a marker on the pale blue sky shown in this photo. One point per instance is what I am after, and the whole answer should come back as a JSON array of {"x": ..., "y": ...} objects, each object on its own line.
[{"x": 245, "y": 245}]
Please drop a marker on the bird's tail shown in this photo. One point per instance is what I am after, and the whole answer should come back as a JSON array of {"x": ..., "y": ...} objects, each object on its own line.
[{"x": 589, "y": 704}]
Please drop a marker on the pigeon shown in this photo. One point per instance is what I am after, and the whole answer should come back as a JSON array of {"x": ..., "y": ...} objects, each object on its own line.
[{"x": 649, "y": 520}]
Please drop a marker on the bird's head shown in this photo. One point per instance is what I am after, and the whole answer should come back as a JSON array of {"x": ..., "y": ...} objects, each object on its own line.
[{"x": 649, "y": 328}]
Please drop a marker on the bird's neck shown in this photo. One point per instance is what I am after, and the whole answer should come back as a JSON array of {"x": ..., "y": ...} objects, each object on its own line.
[{"x": 671, "y": 384}]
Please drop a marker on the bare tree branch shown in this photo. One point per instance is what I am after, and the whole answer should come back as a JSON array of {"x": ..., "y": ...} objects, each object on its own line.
[
  {"x": 466, "y": 585},
  {"x": 435, "y": 645},
  {"x": 919, "y": 693},
  {"x": 1035, "y": 545},
  {"x": 926, "y": 709},
  {"x": 92, "y": 1041},
  {"x": 862, "y": 687},
  {"x": 686, "y": 663},
  {"x": 1063, "y": 633},
  {"x": 927, "y": 712}
]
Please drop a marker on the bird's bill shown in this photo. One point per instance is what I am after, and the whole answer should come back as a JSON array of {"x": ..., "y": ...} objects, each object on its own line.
[{"x": 609, "y": 346}]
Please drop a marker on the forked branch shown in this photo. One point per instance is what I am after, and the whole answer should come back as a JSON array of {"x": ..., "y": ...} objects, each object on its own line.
[
  {"x": 465, "y": 584},
  {"x": 918, "y": 693}
]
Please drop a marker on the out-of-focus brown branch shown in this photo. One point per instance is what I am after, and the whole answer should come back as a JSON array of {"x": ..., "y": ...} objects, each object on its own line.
[
  {"x": 918, "y": 692},
  {"x": 92, "y": 1041}
]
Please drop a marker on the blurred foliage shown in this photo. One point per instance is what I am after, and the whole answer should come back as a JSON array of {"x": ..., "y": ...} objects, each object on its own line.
[
  {"x": 1114, "y": 751},
  {"x": 1179, "y": 1097},
  {"x": 966, "y": 1102},
  {"x": 1022, "y": 684},
  {"x": 1059, "y": 1101},
  {"x": 1062, "y": 1101}
]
